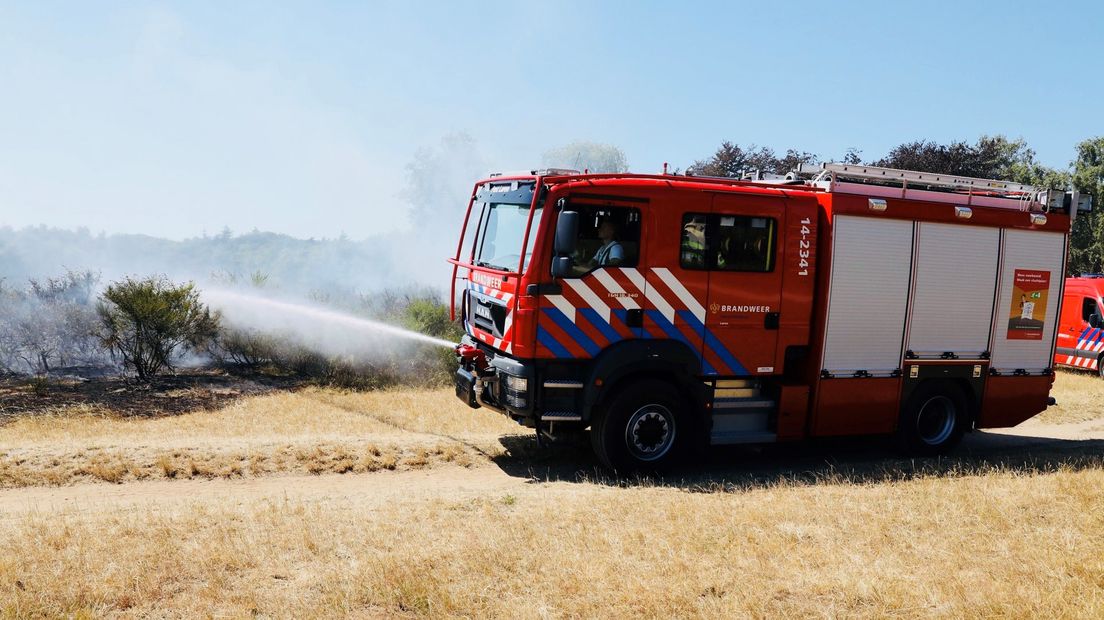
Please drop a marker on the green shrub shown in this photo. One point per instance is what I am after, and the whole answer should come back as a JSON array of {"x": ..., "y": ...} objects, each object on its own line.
[{"x": 148, "y": 322}]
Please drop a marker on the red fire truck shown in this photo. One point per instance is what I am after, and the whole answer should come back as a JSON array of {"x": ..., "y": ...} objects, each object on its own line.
[
  {"x": 1081, "y": 328},
  {"x": 670, "y": 312}
]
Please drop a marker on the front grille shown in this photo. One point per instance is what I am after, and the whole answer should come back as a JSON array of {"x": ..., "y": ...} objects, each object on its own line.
[{"x": 487, "y": 314}]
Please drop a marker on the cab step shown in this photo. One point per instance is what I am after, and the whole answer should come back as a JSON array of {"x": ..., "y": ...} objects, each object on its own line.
[
  {"x": 736, "y": 388},
  {"x": 733, "y": 438},
  {"x": 561, "y": 416},
  {"x": 742, "y": 420},
  {"x": 742, "y": 403}
]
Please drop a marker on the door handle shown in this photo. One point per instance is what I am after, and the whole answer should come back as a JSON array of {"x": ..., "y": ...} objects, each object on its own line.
[
  {"x": 770, "y": 321},
  {"x": 634, "y": 317}
]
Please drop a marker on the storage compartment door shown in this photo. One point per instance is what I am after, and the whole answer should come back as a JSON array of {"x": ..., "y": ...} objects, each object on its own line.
[
  {"x": 871, "y": 262},
  {"x": 956, "y": 281},
  {"x": 1032, "y": 269}
]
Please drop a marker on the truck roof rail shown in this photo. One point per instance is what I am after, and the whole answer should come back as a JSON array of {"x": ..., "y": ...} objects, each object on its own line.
[
  {"x": 540, "y": 172},
  {"x": 989, "y": 192}
]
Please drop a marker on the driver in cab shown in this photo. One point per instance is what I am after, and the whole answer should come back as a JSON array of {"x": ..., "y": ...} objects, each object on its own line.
[{"x": 611, "y": 253}]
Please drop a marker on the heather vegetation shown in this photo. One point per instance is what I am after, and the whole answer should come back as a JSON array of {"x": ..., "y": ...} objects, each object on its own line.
[{"x": 50, "y": 324}]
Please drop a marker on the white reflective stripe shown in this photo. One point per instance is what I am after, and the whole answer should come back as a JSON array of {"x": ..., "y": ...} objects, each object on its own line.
[
  {"x": 684, "y": 295},
  {"x": 660, "y": 303},
  {"x": 651, "y": 294},
  {"x": 1098, "y": 347},
  {"x": 506, "y": 326},
  {"x": 636, "y": 279},
  {"x": 1069, "y": 360},
  {"x": 595, "y": 302},
  {"x": 563, "y": 306},
  {"x": 612, "y": 286}
]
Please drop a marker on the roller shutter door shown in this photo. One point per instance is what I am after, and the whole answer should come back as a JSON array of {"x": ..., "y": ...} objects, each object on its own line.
[
  {"x": 1026, "y": 316},
  {"x": 871, "y": 260},
  {"x": 956, "y": 281}
]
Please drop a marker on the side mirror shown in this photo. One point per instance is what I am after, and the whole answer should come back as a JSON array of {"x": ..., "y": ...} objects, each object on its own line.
[
  {"x": 567, "y": 232},
  {"x": 561, "y": 266},
  {"x": 1096, "y": 321}
]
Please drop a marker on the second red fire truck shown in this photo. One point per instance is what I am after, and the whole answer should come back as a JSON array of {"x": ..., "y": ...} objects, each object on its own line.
[
  {"x": 1081, "y": 326},
  {"x": 666, "y": 312}
]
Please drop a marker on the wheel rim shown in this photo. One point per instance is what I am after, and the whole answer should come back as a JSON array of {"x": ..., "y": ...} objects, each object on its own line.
[
  {"x": 650, "y": 432},
  {"x": 936, "y": 420}
]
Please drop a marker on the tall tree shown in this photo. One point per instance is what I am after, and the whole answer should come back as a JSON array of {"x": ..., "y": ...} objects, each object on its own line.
[
  {"x": 1087, "y": 244},
  {"x": 733, "y": 160},
  {"x": 989, "y": 157},
  {"x": 590, "y": 156}
]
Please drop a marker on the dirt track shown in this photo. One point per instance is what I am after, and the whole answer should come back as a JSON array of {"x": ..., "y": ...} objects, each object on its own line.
[{"x": 1037, "y": 444}]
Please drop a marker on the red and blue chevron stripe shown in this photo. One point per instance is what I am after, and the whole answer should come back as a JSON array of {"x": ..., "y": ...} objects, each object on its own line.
[
  {"x": 590, "y": 315},
  {"x": 1087, "y": 352}
]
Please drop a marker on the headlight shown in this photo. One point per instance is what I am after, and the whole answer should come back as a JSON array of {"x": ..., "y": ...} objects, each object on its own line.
[
  {"x": 516, "y": 391},
  {"x": 517, "y": 384}
]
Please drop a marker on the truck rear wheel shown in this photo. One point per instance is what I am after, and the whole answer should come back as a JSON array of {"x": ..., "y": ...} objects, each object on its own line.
[
  {"x": 642, "y": 429},
  {"x": 934, "y": 419}
]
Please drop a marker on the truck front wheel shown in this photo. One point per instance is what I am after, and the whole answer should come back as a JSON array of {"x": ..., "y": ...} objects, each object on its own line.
[{"x": 642, "y": 429}]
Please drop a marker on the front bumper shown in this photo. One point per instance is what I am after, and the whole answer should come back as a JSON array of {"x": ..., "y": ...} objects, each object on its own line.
[{"x": 504, "y": 385}]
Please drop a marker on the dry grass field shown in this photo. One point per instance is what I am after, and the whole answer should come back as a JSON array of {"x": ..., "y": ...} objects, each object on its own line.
[
  {"x": 309, "y": 431},
  {"x": 318, "y": 503}
]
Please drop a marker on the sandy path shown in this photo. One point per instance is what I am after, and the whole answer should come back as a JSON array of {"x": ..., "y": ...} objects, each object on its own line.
[{"x": 445, "y": 482}]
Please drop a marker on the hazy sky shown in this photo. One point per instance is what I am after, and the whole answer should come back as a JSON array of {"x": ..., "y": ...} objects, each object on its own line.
[{"x": 175, "y": 119}]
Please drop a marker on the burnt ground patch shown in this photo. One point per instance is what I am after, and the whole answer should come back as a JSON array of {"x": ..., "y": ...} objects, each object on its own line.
[{"x": 164, "y": 396}]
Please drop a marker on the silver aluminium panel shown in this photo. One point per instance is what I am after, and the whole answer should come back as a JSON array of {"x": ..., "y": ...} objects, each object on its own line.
[
  {"x": 955, "y": 283},
  {"x": 1023, "y": 334},
  {"x": 868, "y": 302}
]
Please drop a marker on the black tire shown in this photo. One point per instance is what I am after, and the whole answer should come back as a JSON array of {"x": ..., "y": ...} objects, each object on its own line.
[
  {"x": 644, "y": 428},
  {"x": 1100, "y": 367},
  {"x": 933, "y": 420}
]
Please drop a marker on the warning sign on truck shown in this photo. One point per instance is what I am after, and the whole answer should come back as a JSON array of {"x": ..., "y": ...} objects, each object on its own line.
[{"x": 1029, "y": 304}]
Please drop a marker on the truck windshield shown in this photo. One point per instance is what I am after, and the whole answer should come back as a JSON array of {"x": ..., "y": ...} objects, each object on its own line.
[{"x": 501, "y": 233}]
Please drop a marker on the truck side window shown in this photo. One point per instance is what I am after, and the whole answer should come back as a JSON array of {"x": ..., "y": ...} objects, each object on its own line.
[
  {"x": 745, "y": 243},
  {"x": 608, "y": 237},
  {"x": 1088, "y": 308},
  {"x": 692, "y": 251},
  {"x": 727, "y": 242}
]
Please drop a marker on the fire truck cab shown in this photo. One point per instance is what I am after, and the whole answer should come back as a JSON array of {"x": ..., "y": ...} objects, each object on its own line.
[
  {"x": 670, "y": 312},
  {"x": 1081, "y": 329}
]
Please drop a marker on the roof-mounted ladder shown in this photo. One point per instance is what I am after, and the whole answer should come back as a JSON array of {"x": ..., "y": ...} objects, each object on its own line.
[{"x": 890, "y": 182}]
